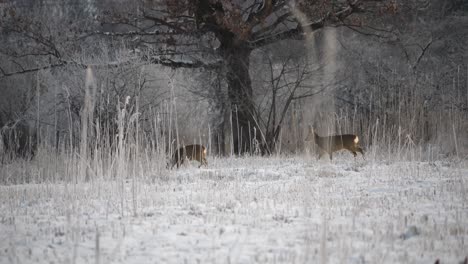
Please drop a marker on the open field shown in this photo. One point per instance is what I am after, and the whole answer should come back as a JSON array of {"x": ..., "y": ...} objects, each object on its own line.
[{"x": 246, "y": 210}]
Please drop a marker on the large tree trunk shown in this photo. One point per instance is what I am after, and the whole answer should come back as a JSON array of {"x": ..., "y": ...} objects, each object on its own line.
[
  {"x": 240, "y": 96},
  {"x": 218, "y": 133}
]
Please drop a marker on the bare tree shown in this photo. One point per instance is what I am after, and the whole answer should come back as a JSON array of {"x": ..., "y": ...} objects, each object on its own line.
[
  {"x": 222, "y": 35},
  {"x": 287, "y": 80},
  {"x": 209, "y": 34}
]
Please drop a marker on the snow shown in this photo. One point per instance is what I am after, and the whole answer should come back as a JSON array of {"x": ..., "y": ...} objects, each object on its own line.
[{"x": 246, "y": 210}]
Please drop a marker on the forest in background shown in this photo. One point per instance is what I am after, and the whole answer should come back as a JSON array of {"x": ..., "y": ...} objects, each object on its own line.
[
  {"x": 97, "y": 96},
  {"x": 236, "y": 76}
]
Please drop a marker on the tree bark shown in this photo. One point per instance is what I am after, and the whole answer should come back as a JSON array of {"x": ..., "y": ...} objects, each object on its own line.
[
  {"x": 218, "y": 134},
  {"x": 236, "y": 58}
]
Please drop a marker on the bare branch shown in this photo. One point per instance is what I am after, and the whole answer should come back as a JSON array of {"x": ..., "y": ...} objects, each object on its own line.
[
  {"x": 24, "y": 71},
  {"x": 61, "y": 63},
  {"x": 279, "y": 20},
  {"x": 181, "y": 64},
  {"x": 176, "y": 27},
  {"x": 423, "y": 51},
  {"x": 301, "y": 30},
  {"x": 256, "y": 17}
]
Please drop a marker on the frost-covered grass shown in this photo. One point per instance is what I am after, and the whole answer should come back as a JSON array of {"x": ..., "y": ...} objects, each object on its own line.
[{"x": 246, "y": 210}]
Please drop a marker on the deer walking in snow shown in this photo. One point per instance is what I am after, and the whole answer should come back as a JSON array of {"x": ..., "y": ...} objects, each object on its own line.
[{"x": 330, "y": 144}]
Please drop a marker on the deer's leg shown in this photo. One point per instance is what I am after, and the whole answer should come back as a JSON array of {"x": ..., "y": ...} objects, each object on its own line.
[
  {"x": 320, "y": 154},
  {"x": 331, "y": 155},
  {"x": 202, "y": 162},
  {"x": 352, "y": 150},
  {"x": 172, "y": 164},
  {"x": 361, "y": 151}
]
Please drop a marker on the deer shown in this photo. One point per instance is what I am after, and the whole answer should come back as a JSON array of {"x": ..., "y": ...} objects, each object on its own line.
[
  {"x": 192, "y": 152},
  {"x": 330, "y": 144}
]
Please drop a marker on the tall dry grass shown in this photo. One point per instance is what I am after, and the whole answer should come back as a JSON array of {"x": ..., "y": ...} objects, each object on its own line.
[{"x": 137, "y": 146}]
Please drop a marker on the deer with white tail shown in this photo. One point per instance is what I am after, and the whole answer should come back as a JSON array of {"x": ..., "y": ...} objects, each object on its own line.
[{"x": 330, "y": 144}]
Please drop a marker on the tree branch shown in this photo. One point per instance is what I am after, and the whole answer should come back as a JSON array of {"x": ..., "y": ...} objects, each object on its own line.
[
  {"x": 181, "y": 64},
  {"x": 24, "y": 71},
  {"x": 423, "y": 51},
  {"x": 61, "y": 63},
  {"x": 279, "y": 20},
  {"x": 301, "y": 30},
  {"x": 175, "y": 27},
  {"x": 256, "y": 17}
]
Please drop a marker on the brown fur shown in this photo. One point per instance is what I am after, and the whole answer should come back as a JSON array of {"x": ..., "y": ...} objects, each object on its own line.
[
  {"x": 330, "y": 144},
  {"x": 192, "y": 152}
]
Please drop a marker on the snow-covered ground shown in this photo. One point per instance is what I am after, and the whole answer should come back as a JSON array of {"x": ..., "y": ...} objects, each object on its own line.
[{"x": 246, "y": 210}]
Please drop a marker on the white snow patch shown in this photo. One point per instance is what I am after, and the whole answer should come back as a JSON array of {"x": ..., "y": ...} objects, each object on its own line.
[{"x": 247, "y": 210}]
